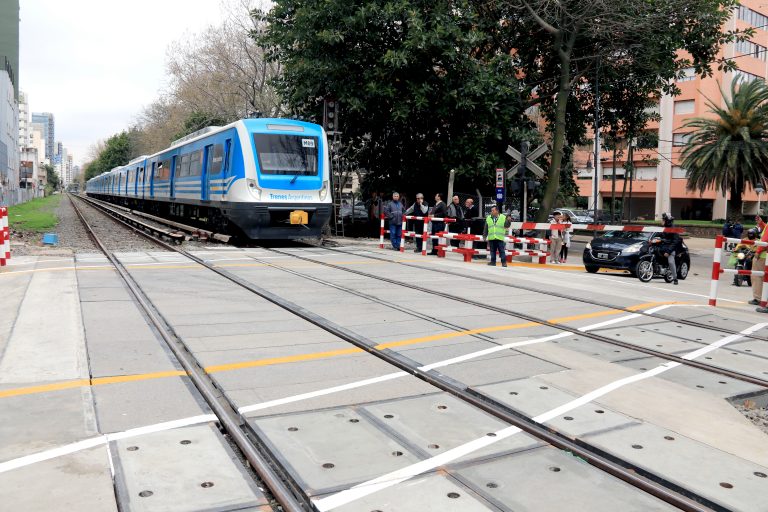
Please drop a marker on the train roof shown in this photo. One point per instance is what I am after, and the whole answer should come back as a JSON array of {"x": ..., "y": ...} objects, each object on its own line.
[{"x": 270, "y": 123}]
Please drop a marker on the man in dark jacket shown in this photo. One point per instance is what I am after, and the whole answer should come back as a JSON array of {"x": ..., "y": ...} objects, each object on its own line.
[
  {"x": 456, "y": 211},
  {"x": 440, "y": 211},
  {"x": 419, "y": 209},
  {"x": 393, "y": 212},
  {"x": 671, "y": 245}
]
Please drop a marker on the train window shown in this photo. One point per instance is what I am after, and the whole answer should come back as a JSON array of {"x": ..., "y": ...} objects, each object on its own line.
[
  {"x": 163, "y": 170},
  {"x": 182, "y": 168},
  {"x": 196, "y": 163},
  {"x": 292, "y": 155},
  {"x": 215, "y": 159}
]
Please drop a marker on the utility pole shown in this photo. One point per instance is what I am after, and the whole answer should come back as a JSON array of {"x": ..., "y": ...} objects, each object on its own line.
[{"x": 597, "y": 141}]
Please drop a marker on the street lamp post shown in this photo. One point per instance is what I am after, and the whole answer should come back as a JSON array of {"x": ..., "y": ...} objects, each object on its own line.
[{"x": 759, "y": 191}]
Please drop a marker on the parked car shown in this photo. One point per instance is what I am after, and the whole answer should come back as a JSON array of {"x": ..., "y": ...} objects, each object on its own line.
[
  {"x": 621, "y": 250},
  {"x": 360, "y": 212},
  {"x": 577, "y": 216}
]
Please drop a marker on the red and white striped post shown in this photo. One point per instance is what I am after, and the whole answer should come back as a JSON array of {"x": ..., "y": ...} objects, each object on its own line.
[
  {"x": 402, "y": 235},
  {"x": 381, "y": 232},
  {"x": 716, "y": 261},
  {"x": 5, "y": 237},
  {"x": 425, "y": 236}
]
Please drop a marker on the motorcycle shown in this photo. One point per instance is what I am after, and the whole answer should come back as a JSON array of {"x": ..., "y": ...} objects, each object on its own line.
[
  {"x": 653, "y": 264},
  {"x": 743, "y": 257}
]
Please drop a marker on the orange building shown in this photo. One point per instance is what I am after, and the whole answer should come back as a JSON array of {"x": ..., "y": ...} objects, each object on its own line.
[{"x": 659, "y": 183}]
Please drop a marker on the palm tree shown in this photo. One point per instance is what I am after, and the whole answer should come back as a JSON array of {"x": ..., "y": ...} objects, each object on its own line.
[{"x": 730, "y": 150}]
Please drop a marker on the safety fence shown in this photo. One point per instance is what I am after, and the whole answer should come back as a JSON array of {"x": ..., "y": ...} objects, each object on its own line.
[
  {"x": 5, "y": 237},
  {"x": 466, "y": 240},
  {"x": 537, "y": 248},
  {"x": 718, "y": 270}
]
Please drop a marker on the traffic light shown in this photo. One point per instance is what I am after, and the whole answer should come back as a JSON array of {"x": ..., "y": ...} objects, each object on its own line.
[{"x": 331, "y": 115}]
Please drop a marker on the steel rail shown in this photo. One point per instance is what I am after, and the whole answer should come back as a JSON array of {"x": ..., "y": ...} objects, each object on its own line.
[
  {"x": 666, "y": 491},
  {"x": 630, "y": 475},
  {"x": 542, "y": 321},
  {"x": 446, "y": 271},
  {"x": 228, "y": 417}
]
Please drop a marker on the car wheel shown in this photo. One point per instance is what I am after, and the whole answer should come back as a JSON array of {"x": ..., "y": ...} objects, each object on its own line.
[
  {"x": 644, "y": 270},
  {"x": 591, "y": 269},
  {"x": 682, "y": 270}
]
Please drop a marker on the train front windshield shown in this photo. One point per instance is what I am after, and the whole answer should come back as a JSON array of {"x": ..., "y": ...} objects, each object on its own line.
[{"x": 292, "y": 155}]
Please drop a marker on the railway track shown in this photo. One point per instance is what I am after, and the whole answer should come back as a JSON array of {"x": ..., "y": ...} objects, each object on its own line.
[
  {"x": 446, "y": 271},
  {"x": 278, "y": 479},
  {"x": 559, "y": 326},
  {"x": 230, "y": 420}
]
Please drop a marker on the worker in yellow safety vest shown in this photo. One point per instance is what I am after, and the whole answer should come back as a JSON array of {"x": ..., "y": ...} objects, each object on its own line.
[{"x": 495, "y": 229}]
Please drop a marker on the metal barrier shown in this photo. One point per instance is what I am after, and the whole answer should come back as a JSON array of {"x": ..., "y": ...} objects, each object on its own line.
[
  {"x": 594, "y": 227},
  {"x": 717, "y": 269},
  {"x": 5, "y": 237},
  {"x": 425, "y": 236}
]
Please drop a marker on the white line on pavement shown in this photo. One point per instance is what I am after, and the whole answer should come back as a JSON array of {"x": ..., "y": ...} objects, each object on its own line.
[{"x": 408, "y": 472}]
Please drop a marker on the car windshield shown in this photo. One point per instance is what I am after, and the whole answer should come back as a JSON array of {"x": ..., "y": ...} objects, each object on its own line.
[{"x": 627, "y": 235}]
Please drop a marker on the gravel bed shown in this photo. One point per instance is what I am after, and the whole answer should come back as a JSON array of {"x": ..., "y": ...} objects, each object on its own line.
[
  {"x": 757, "y": 415},
  {"x": 112, "y": 234}
]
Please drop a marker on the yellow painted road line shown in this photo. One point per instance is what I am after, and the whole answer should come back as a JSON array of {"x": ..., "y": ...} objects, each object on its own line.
[
  {"x": 302, "y": 357},
  {"x": 282, "y": 360}
]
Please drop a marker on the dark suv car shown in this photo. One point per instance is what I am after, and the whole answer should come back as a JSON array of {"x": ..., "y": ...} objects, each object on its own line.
[{"x": 621, "y": 250}]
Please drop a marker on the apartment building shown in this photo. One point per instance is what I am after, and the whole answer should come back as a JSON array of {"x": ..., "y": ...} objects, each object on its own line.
[{"x": 659, "y": 183}]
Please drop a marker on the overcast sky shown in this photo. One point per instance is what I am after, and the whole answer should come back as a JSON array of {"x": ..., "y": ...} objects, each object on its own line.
[{"x": 95, "y": 63}]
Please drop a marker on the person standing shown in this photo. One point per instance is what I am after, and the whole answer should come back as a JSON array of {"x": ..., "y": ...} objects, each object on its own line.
[
  {"x": 375, "y": 209},
  {"x": 556, "y": 239},
  {"x": 419, "y": 209},
  {"x": 456, "y": 211},
  {"x": 496, "y": 225},
  {"x": 440, "y": 212},
  {"x": 393, "y": 212},
  {"x": 758, "y": 264}
]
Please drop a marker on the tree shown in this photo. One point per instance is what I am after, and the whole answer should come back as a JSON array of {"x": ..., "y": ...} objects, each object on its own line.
[
  {"x": 219, "y": 75},
  {"x": 633, "y": 46},
  {"x": 730, "y": 150},
  {"x": 424, "y": 86},
  {"x": 52, "y": 179}
]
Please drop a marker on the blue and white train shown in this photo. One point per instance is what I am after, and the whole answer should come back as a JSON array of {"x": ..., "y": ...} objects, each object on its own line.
[{"x": 258, "y": 178}]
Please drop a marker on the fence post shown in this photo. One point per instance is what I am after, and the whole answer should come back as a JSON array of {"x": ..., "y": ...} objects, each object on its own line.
[
  {"x": 5, "y": 237},
  {"x": 425, "y": 236},
  {"x": 716, "y": 259},
  {"x": 381, "y": 232},
  {"x": 402, "y": 236},
  {"x": 764, "y": 295}
]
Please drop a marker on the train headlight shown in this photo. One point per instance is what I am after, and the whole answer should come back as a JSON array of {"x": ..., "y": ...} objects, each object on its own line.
[
  {"x": 254, "y": 189},
  {"x": 324, "y": 191}
]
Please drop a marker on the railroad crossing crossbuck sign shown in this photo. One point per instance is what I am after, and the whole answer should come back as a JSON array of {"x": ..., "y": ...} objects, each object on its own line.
[{"x": 529, "y": 158}]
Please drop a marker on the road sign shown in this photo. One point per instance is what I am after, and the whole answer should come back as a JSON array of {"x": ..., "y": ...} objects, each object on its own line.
[
  {"x": 535, "y": 169},
  {"x": 500, "y": 188}
]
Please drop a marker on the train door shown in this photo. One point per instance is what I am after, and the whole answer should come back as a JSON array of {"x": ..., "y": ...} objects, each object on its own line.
[
  {"x": 205, "y": 189},
  {"x": 152, "y": 180},
  {"x": 226, "y": 169},
  {"x": 172, "y": 177}
]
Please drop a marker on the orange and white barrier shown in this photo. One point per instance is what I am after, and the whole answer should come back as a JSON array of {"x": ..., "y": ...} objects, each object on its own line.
[
  {"x": 594, "y": 227},
  {"x": 5, "y": 237},
  {"x": 717, "y": 268},
  {"x": 468, "y": 251},
  {"x": 424, "y": 235}
]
